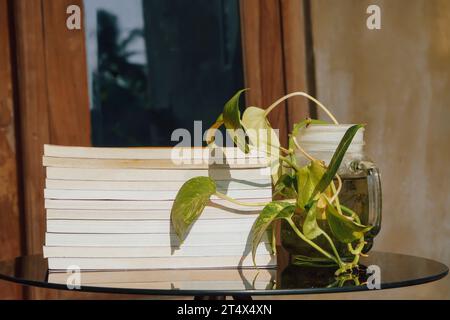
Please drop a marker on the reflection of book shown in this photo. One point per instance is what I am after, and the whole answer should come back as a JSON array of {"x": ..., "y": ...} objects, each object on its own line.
[
  {"x": 191, "y": 285},
  {"x": 147, "y": 239},
  {"x": 146, "y": 252},
  {"x": 184, "y": 285},
  {"x": 158, "y": 262},
  {"x": 149, "y": 276}
]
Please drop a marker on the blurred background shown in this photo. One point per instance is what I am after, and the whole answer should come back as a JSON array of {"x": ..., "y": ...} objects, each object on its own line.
[{"x": 138, "y": 69}]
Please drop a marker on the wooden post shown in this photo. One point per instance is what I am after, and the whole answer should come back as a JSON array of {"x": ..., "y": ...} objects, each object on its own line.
[{"x": 10, "y": 215}]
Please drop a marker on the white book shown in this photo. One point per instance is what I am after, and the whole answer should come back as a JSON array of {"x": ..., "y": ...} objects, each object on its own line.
[
  {"x": 156, "y": 174},
  {"x": 153, "y": 164},
  {"x": 143, "y": 195},
  {"x": 142, "y": 205},
  {"x": 222, "y": 185},
  {"x": 147, "y": 240},
  {"x": 148, "y": 153},
  {"x": 159, "y": 263},
  {"x": 148, "y": 252},
  {"x": 209, "y": 213},
  {"x": 147, "y": 226},
  {"x": 248, "y": 275}
]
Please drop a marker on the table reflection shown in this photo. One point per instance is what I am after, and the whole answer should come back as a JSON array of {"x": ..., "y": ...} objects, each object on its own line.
[{"x": 397, "y": 270}]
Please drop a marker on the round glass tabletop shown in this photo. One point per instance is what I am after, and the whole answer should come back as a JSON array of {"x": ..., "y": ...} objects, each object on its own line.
[{"x": 393, "y": 271}]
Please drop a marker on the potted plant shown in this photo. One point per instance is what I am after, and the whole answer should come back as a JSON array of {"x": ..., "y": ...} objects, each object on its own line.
[{"x": 316, "y": 227}]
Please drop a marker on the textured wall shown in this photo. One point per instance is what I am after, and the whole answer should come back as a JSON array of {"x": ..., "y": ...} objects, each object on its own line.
[{"x": 397, "y": 80}]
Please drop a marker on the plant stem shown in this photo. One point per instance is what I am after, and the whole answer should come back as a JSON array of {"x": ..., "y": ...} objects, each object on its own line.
[
  {"x": 245, "y": 204},
  {"x": 333, "y": 248},
  {"x": 299, "y": 147},
  {"x": 312, "y": 244},
  {"x": 304, "y": 95},
  {"x": 335, "y": 195},
  {"x": 338, "y": 205},
  {"x": 289, "y": 162},
  {"x": 351, "y": 212},
  {"x": 287, "y": 151}
]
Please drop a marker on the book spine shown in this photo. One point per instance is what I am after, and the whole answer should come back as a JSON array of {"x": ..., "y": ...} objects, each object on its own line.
[
  {"x": 155, "y": 174},
  {"x": 154, "y": 164},
  {"x": 148, "y": 252},
  {"x": 183, "y": 153},
  {"x": 222, "y": 185},
  {"x": 144, "y": 205},
  {"x": 147, "y": 240},
  {"x": 209, "y": 213},
  {"x": 144, "y": 195},
  {"x": 154, "y": 227}
]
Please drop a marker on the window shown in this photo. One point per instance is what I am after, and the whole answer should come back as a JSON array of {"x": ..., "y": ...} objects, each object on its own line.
[{"x": 155, "y": 66}]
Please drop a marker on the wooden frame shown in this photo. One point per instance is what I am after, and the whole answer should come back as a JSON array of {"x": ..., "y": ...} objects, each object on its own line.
[
  {"x": 298, "y": 57},
  {"x": 10, "y": 213},
  {"x": 52, "y": 98},
  {"x": 263, "y": 58},
  {"x": 274, "y": 40}
]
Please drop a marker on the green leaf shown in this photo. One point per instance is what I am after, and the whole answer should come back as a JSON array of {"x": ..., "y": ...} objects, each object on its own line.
[
  {"x": 336, "y": 160},
  {"x": 262, "y": 136},
  {"x": 311, "y": 229},
  {"x": 343, "y": 228},
  {"x": 189, "y": 203},
  {"x": 286, "y": 186},
  {"x": 271, "y": 212},
  {"x": 271, "y": 236},
  {"x": 212, "y": 130},
  {"x": 232, "y": 121},
  {"x": 307, "y": 179}
]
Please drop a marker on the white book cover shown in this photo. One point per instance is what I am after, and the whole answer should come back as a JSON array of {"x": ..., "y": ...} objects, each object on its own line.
[
  {"x": 143, "y": 205},
  {"x": 147, "y": 240},
  {"x": 150, "y": 153},
  {"x": 160, "y": 263},
  {"x": 222, "y": 185},
  {"x": 154, "y": 164},
  {"x": 143, "y": 195},
  {"x": 209, "y": 213},
  {"x": 156, "y": 174},
  {"x": 148, "y": 252},
  {"x": 147, "y": 226}
]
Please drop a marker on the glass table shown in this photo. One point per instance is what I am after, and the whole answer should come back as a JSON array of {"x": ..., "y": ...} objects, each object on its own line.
[{"x": 394, "y": 271}]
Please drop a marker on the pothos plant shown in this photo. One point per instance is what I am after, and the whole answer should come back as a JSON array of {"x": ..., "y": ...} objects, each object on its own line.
[{"x": 310, "y": 191}]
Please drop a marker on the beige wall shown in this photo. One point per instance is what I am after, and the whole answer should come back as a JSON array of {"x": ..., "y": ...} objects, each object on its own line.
[{"x": 397, "y": 80}]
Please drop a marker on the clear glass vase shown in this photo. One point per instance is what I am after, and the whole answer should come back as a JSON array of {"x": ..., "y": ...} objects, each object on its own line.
[{"x": 361, "y": 192}]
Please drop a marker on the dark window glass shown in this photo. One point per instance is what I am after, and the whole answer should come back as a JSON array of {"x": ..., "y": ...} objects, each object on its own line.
[{"x": 158, "y": 65}]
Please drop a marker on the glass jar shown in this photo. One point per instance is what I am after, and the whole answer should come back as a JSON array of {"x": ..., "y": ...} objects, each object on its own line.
[{"x": 361, "y": 190}]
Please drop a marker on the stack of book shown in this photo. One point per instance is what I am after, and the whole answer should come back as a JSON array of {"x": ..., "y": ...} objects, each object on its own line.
[{"x": 109, "y": 208}]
